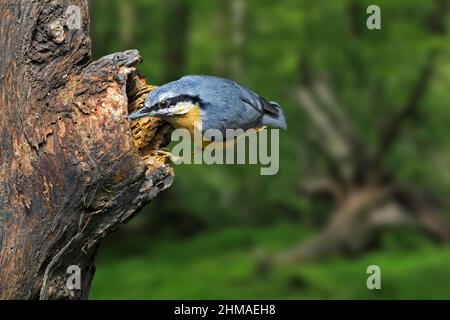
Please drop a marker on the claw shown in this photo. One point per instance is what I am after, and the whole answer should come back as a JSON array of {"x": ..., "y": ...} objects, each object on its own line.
[{"x": 163, "y": 155}]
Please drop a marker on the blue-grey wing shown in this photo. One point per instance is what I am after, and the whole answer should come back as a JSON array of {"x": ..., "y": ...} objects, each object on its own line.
[{"x": 226, "y": 104}]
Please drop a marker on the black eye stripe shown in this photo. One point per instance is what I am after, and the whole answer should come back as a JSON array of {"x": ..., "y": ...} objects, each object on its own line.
[{"x": 173, "y": 101}]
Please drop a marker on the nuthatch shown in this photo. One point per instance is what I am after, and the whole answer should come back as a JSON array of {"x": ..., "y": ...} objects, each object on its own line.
[{"x": 207, "y": 102}]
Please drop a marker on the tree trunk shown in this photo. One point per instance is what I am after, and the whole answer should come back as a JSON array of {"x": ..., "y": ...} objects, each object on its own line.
[
  {"x": 127, "y": 23},
  {"x": 72, "y": 168},
  {"x": 176, "y": 26},
  {"x": 238, "y": 22},
  {"x": 220, "y": 33}
]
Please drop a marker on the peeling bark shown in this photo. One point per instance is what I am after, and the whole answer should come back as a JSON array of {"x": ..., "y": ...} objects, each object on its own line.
[{"x": 72, "y": 168}]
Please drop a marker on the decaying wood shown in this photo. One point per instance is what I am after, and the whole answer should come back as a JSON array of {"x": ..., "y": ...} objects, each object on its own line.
[{"x": 72, "y": 169}]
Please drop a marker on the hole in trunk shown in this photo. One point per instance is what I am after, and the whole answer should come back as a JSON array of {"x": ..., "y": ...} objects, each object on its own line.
[{"x": 148, "y": 133}]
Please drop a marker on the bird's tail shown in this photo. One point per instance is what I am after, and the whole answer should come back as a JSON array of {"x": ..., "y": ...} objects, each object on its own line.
[{"x": 274, "y": 116}]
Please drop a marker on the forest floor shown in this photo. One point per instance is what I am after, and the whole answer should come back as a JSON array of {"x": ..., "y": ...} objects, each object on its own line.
[{"x": 221, "y": 265}]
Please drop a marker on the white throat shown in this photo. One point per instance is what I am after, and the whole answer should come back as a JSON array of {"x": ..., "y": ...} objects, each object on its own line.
[{"x": 183, "y": 107}]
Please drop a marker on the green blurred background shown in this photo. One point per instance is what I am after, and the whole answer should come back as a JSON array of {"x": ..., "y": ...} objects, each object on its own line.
[{"x": 225, "y": 231}]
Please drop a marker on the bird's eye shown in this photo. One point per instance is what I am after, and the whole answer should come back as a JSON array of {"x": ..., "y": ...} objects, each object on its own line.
[{"x": 164, "y": 104}]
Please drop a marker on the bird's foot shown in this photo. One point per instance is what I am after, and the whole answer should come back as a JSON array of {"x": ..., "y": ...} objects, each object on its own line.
[{"x": 164, "y": 156}]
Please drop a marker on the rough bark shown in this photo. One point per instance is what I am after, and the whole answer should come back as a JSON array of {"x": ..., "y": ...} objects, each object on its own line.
[{"x": 72, "y": 169}]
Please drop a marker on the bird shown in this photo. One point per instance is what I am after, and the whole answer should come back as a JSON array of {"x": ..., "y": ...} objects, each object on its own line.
[{"x": 202, "y": 102}]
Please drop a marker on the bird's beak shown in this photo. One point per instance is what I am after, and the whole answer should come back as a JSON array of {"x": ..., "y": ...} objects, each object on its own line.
[{"x": 136, "y": 115}]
